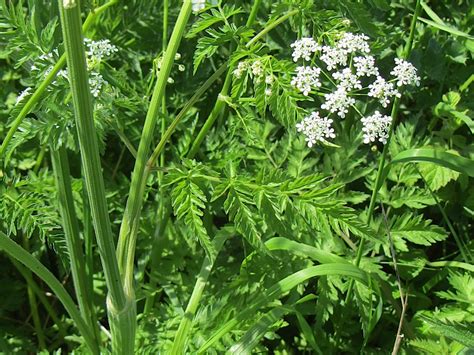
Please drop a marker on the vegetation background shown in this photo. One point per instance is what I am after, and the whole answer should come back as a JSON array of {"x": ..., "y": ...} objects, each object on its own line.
[{"x": 248, "y": 240}]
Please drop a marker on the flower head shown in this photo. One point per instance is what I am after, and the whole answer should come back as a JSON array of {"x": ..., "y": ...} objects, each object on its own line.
[
  {"x": 333, "y": 57},
  {"x": 198, "y": 5},
  {"x": 338, "y": 101},
  {"x": 347, "y": 80},
  {"x": 376, "y": 126},
  {"x": 96, "y": 81},
  {"x": 241, "y": 68},
  {"x": 365, "y": 66},
  {"x": 97, "y": 50},
  {"x": 257, "y": 68},
  {"x": 316, "y": 128},
  {"x": 304, "y": 48},
  {"x": 405, "y": 73},
  {"x": 382, "y": 90},
  {"x": 351, "y": 43},
  {"x": 306, "y": 78}
]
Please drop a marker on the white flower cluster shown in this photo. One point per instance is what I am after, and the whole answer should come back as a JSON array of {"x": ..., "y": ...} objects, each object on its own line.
[
  {"x": 350, "y": 68},
  {"x": 98, "y": 50},
  {"x": 306, "y": 78},
  {"x": 23, "y": 94},
  {"x": 382, "y": 90},
  {"x": 405, "y": 73},
  {"x": 376, "y": 126},
  {"x": 304, "y": 48},
  {"x": 198, "y": 5},
  {"x": 316, "y": 128},
  {"x": 96, "y": 81}
]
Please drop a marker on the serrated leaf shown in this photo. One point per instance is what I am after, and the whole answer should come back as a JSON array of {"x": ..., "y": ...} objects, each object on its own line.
[{"x": 417, "y": 230}]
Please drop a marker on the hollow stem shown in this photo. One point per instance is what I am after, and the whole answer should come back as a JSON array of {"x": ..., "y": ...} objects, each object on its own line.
[
  {"x": 120, "y": 305},
  {"x": 73, "y": 242}
]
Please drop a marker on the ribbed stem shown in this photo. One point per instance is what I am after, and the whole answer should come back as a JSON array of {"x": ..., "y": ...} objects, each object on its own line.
[
  {"x": 131, "y": 218},
  {"x": 17, "y": 252},
  {"x": 73, "y": 242},
  {"x": 120, "y": 306}
]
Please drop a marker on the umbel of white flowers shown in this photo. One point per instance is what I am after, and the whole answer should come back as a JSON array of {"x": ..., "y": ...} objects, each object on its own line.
[
  {"x": 347, "y": 64},
  {"x": 96, "y": 51}
]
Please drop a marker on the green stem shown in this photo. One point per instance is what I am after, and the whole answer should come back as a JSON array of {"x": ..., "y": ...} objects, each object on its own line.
[
  {"x": 253, "y": 13},
  {"x": 120, "y": 304},
  {"x": 17, "y": 252},
  {"x": 71, "y": 229},
  {"x": 34, "y": 308},
  {"x": 131, "y": 218},
  {"x": 48, "y": 80},
  {"x": 181, "y": 337},
  {"x": 394, "y": 115}
]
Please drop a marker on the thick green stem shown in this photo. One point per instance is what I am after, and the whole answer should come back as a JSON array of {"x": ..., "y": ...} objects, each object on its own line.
[
  {"x": 181, "y": 337},
  {"x": 394, "y": 115},
  {"x": 120, "y": 304},
  {"x": 74, "y": 245},
  {"x": 130, "y": 222},
  {"x": 17, "y": 252},
  {"x": 48, "y": 80}
]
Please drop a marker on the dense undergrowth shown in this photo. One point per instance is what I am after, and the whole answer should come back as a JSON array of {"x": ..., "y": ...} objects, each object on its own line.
[{"x": 257, "y": 200}]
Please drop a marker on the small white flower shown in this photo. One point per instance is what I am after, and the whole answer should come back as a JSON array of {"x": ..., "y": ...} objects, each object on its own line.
[
  {"x": 177, "y": 56},
  {"x": 96, "y": 81},
  {"x": 306, "y": 78},
  {"x": 354, "y": 43},
  {"x": 269, "y": 79},
  {"x": 347, "y": 80},
  {"x": 170, "y": 80},
  {"x": 97, "y": 50},
  {"x": 304, "y": 48},
  {"x": 333, "y": 57},
  {"x": 268, "y": 92},
  {"x": 338, "y": 101},
  {"x": 405, "y": 73},
  {"x": 316, "y": 128},
  {"x": 365, "y": 66},
  {"x": 376, "y": 126},
  {"x": 198, "y": 5},
  {"x": 241, "y": 68},
  {"x": 382, "y": 90},
  {"x": 181, "y": 67},
  {"x": 257, "y": 68},
  {"x": 23, "y": 94}
]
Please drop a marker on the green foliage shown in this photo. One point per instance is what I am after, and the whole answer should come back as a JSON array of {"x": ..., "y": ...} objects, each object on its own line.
[{"x": 293, "y": 216}]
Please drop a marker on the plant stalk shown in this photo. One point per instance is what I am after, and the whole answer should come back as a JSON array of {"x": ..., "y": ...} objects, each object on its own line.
[
  {"x": 131, "y": 218},
  {"x": 120, "y": 304},
  {"x": 179, "y": 344},
  {"x": 74, "y": 245},
  {"x": 394, "y": 115}
]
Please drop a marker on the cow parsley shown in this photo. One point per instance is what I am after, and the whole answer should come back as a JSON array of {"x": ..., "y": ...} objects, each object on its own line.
[
  {"x": 316, "y": 128},
  {"x": 405, "y": 73},
  {"x": 338, "y": 101},
  {"x": 376, "y": 127},
  {"x": 333, "y": 57},
  {"x": 382, "y": 90},
  {"x": 347, "y": 80},
  {"x": 304, "y": 48},
  {"x": 306, "y": 78},
  {"x": 365, "y": 66}
]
